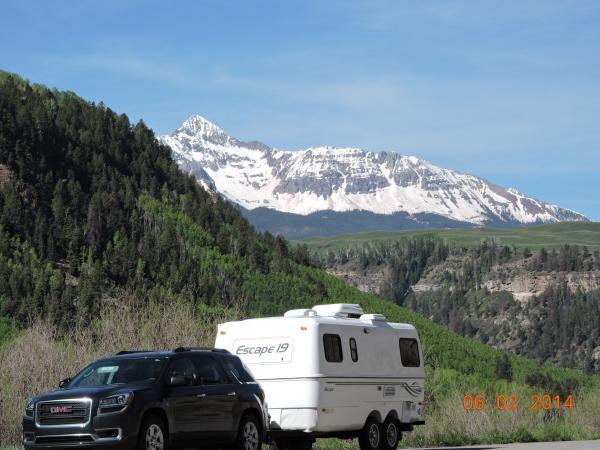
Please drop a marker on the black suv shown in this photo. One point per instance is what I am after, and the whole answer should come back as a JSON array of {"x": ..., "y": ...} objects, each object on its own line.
[{"x": 189, "y": 397}]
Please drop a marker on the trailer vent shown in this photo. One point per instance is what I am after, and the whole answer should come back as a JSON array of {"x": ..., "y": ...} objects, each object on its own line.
[
  {"x": 345, "y": 310},
  {"x": 374, "y": 317},
  {"x": 300, "y": 313}
]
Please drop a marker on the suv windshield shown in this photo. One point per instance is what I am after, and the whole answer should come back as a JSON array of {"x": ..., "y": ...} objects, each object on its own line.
[{"x": 119, "y": 371}]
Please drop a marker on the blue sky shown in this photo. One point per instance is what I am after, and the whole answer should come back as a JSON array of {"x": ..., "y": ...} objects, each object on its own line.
[{"x": 506, "y": 90}]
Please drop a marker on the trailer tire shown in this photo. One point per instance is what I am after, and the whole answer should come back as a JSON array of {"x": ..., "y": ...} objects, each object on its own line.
[
  {"x": 370, "y": 436},
  {"x": 391, "y": 434}
]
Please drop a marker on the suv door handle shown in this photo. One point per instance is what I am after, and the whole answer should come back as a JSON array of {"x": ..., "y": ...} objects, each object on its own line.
[
  {"x": 232, "y": 394},
  {"x": 201, "y": 395}
]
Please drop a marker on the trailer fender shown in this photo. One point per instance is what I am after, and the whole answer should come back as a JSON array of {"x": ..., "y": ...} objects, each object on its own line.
[{"x": 375, "y": 415}]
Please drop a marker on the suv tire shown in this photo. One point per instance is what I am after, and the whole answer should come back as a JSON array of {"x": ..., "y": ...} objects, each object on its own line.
[
  {"x": 153, "y": 434},
  {"x": 249, "y": 435},
  {"x": 370, "y": 436}
]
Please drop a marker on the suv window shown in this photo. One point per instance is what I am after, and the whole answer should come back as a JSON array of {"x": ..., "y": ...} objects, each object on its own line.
[
  {"x": 209, "y": 370},
  {"x": 409, "y": 352},
  {"x": 119, "y": 371},
  {"x": 239, "y": 370},
  {"x": 183, "y": 367},
  {"x": 333, "y": 348}
]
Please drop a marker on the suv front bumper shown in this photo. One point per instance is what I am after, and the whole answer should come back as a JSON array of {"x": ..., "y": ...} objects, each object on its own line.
[{"x": 108, "y": 431}]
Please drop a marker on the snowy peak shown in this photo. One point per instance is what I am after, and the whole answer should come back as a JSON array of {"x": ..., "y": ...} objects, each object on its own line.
[
  {"x": 197, "y": 125},
  {"x": 197, "y": 131},
  {"x": 255, "y": 175},
  {"x": 198, "y": 134}
]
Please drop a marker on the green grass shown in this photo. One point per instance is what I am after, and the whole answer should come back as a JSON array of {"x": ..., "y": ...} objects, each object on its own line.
[{"x": 548, "y": 236}]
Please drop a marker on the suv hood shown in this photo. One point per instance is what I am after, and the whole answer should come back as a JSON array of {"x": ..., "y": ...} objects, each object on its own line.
[{"x": 92, "y": 392}]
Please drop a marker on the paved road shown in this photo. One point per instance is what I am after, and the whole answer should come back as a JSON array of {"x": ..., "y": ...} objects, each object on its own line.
[{"x": 570, "y": 445}]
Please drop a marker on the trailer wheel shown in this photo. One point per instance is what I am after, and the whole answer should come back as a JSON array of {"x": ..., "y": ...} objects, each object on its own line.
[
  {"x": 370, "y": 436},
  {"x": 391, "y": 434}
]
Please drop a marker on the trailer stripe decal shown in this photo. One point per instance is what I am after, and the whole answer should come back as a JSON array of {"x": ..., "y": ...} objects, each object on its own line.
[
  {"x": 384, "y": 380},
  {"x": 413, "y": 389}
]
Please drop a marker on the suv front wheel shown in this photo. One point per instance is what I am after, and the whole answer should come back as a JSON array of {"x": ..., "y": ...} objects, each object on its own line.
[
  {"x": 153, "y": 434},
  {"x": 249, "y": 436}
]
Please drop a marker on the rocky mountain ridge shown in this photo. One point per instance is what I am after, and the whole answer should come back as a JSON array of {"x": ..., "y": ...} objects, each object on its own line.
[{"x": 254, "y": 175}]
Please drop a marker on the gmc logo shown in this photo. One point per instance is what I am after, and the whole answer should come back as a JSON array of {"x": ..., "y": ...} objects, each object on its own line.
[{"x": 61, "y": 409}]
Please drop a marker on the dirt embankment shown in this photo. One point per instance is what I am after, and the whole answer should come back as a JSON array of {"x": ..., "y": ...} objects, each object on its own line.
[
  {"x": 524, "y": 286},
  {"x": 370, "y": 280},
  {"x": 514, "y": 277}
]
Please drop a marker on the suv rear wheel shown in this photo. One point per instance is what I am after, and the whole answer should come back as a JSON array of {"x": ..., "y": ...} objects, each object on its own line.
[
  {"x": 153, "y": 434},
  {"x": 249, "y": 435}
]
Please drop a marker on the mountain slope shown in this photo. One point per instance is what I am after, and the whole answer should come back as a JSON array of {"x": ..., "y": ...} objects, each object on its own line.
[
  {"x": 83, "y": 219},
  {"x": 92, "y": 207},
  {"x": 254, "y": 176}
]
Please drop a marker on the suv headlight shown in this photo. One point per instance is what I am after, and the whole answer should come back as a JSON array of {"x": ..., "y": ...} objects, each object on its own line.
[
  {"x": 115, "y": 403},
  {"x": 30, "y": 407}
]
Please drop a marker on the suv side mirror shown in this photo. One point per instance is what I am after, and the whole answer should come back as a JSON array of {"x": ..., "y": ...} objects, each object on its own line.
[
  {"x": 64, "y": 382},
  {"x": 177, "y": 381}
]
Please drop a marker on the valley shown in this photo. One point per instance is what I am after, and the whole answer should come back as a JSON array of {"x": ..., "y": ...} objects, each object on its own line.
[
  {"x": 548, "y": 236},
  {"x": 539, "y": 300},
  {"x": 99, "y": 230},
  {"x": 400, "y": 200}
]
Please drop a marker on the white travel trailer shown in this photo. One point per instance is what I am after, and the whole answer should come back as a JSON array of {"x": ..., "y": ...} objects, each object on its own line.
[{"x": 333, "y": 371}]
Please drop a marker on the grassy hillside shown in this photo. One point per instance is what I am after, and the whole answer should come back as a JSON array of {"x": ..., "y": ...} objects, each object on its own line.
[
  {"x": 548, "y": 236},
  {"x": 99, "y": 230},
  {"x": 91, "y": 204},
  {"x": 455, "y": 366}
]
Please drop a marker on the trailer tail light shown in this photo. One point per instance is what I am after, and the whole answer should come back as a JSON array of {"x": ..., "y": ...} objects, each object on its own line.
[
  {"x": 303, "y": 327},
  {"x": 222, "y": 333}
]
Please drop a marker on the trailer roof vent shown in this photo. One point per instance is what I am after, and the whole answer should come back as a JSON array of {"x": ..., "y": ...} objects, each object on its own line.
[
  {"x": 300, "y": 313},
  {"x": 347, "y": 310},
  {"x": 374, "y": 317}
]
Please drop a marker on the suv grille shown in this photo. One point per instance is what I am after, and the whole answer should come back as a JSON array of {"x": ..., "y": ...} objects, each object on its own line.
[
  {"x": 64, "y": 439},
  {"x": 63, "y": 412}
]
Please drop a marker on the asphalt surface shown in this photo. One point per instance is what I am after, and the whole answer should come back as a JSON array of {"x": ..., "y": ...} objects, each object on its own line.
[{"x": 569, "y": 445}]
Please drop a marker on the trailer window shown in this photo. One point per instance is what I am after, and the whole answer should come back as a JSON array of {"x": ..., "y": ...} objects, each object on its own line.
[
  {"x": 333, "y": 348},
  {"x": 353, "y": 350},
  {"x": 409, "y": 352}
]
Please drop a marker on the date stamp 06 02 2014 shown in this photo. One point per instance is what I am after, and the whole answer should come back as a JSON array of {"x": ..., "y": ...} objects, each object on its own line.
[{"x": 537, "y": 402}]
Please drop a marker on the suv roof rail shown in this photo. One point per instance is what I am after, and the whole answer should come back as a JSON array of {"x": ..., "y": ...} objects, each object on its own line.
[
  {"x": 200, "y": 349},
  {"x": 126, "y": 352}
]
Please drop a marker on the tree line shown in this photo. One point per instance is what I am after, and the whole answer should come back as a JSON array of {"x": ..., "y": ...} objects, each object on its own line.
[{"x": 91, "y": 203}]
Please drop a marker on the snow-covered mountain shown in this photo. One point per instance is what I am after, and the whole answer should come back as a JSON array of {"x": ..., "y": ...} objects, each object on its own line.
[{"x": 255, "y": 175}]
